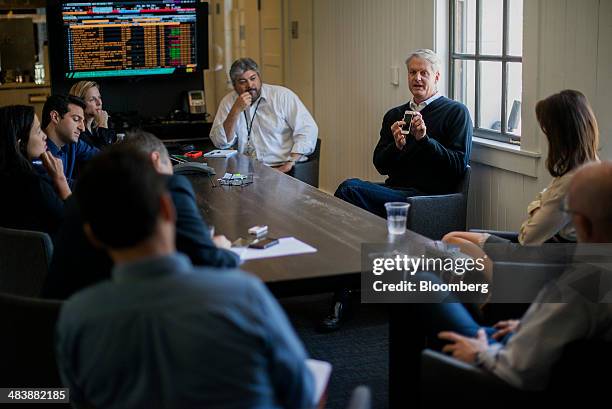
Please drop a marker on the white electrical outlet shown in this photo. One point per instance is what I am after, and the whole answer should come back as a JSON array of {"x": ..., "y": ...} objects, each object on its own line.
[{"x": 395, "y": 76}]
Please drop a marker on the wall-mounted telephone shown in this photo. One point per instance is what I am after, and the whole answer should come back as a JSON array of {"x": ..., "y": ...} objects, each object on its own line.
[{"x": 196, "y": 102}]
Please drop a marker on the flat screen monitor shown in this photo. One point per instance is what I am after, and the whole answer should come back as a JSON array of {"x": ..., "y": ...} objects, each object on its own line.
[{"x": 126, "y": 38}]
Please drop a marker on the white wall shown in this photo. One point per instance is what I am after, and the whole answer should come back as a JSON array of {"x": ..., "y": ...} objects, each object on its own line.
[
  {"x": 356, "y": 42},
  {"x": 224, "y": 32},
  {"x": 566, "y": 45},
  {"x": 299, "y": 59}
]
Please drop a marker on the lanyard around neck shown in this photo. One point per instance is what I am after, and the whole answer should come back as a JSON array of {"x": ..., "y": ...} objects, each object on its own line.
[{"x": 249, "y": 124}]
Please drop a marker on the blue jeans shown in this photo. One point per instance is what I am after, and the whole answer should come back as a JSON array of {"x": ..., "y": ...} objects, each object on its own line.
[
  {"x": 372, "y": 197},
  {"x": 449, "y": 316}
]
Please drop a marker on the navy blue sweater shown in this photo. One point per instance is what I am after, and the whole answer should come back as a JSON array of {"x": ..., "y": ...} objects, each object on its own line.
[{"x": 436, "y": 163}]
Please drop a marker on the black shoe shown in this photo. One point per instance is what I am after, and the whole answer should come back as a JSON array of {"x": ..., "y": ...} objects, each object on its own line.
[{"x": 335, "y": 320}]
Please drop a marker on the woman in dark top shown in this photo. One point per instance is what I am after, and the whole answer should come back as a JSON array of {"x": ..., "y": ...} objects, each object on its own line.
[
  {"x": 97, "y": 131},
  {"x": 30, "y": 201}
]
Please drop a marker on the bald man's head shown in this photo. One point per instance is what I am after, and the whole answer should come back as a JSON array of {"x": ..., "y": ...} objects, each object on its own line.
[{"x": 590, "y": 201}]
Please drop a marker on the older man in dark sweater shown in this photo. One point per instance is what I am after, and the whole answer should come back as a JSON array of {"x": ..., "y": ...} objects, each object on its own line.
[{"x": 432, "y": 158}]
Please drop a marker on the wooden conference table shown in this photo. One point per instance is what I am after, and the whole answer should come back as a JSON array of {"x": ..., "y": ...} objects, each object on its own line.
[
  {"x": 335, "y": 228},
  {"x": 290, "y": 207}
]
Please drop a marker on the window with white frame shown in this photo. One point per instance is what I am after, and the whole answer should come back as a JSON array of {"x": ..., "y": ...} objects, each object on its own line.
[{"x": 486, "y": 49}]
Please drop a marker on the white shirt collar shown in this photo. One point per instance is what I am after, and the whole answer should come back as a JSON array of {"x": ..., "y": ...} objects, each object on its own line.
[
  {"x": 264, "y": 92},
  {"x": 418, "y": 107}
]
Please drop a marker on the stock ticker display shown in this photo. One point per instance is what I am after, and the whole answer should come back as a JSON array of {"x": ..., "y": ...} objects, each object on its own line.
[{"x": 122, "y": 38}]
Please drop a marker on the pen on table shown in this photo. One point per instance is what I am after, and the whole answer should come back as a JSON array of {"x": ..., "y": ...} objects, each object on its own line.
[{"x": 179, "y": 158}]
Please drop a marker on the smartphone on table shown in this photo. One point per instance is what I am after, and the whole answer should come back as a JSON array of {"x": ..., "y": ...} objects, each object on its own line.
[{"x": 263, "y": 243}]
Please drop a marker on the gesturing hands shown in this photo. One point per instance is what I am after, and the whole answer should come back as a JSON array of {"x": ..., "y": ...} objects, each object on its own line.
[
  {"x": 418, "y": 129},
  {"x": 400, "y": 138}
]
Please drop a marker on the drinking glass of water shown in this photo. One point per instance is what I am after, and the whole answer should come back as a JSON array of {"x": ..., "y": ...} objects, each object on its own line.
[{"x": 397, "y": 213}]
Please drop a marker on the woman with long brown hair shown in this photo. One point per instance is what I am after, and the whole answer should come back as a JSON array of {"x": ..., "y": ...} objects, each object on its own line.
[{"x": 571, "y": 130}]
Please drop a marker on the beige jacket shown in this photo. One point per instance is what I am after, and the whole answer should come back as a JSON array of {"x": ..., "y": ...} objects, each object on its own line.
[{"x": 546, "y": 217}]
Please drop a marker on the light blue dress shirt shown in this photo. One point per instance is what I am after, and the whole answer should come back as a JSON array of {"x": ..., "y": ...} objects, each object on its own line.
[
  {"x": 418, "y": 107},
  {"x": 163, "y": 334}
]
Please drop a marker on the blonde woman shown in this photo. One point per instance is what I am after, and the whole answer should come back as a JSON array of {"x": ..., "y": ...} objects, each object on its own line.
[{"x": 97, "y": 131}]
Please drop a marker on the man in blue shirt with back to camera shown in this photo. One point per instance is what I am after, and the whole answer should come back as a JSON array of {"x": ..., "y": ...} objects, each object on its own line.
[
  {"x": 77, "y": 264},
  {"x": 162, "y": 333},
  {"x": 63, "y": 121}
]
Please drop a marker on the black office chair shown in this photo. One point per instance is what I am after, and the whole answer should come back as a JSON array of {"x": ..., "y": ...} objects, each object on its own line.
[
  {"x": 576, "y": 380},
  {"x": 431, "y": 216},
  {"x": 27, "y": 341},
  {"x": 436, "y": 215},
  {"x": 308, "y": 171},
  {"x": 24, "y": 261}
]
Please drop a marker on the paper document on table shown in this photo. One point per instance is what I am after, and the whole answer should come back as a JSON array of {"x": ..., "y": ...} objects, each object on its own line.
[
  {"x": 221, "y": 153},
  {"x": 321, "y": 370},
  {"x": 287, "y": 246}
]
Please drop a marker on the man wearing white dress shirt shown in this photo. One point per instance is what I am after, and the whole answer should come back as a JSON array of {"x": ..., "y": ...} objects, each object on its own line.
[{"x": 268, "y": 122}]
